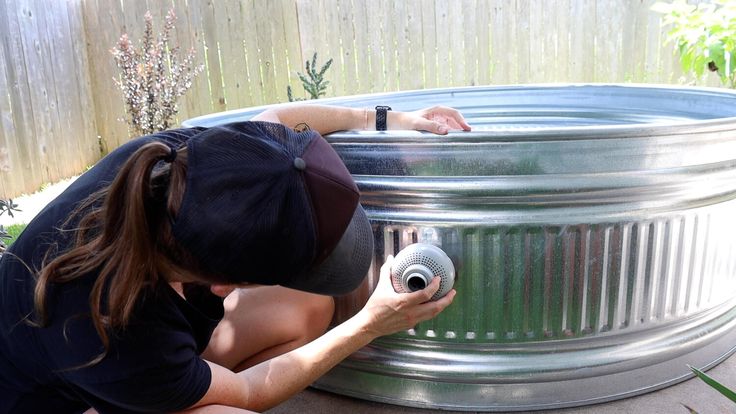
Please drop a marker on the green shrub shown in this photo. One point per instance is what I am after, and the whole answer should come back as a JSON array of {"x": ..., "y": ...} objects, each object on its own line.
[
  {"x": 314, "y": 81},
  {"x": 153, "y": 77},
  {"x": 704, "y": 36}
]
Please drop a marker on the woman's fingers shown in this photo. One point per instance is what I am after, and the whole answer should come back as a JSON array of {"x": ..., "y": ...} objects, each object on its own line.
[
  {"x": 440, "y": 120},
  {"x": 451, "y": 122},
  {"x": 429, "y": 309},
  {"x": 384, "y": 279},
  {"x": 431, "y": 125},
  {"x": 424, "y": 295},
  {"x": 452, "y": 117}
]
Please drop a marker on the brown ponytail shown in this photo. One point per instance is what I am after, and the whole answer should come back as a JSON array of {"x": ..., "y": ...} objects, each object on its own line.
[{"x": 125, "y": 237}]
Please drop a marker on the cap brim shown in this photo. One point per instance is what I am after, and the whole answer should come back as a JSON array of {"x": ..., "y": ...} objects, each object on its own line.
[{"x": 346, "y": 267}]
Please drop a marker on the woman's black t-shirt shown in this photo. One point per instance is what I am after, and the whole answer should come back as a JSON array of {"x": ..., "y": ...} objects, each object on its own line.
[{"x": 152, "y": 366}]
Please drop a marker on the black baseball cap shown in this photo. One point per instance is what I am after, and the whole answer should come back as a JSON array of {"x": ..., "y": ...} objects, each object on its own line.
[{"x": 267, "y": 205}]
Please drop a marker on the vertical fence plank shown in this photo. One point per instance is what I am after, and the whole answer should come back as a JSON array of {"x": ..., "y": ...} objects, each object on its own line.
[
  {"x": 189, "y": 36},
  {"x": 522, "y": 41},
  {"x": 414, "y": 62},
  {"x": 25, "y": 165},
  {"x": 548, "y": 53},
  {"x": 469, "y": 11},
  {"x": 11, "y": 176},
  {"x": 65, "y": 102},
  {"x": 457, "y": 44},
  {"x": 608, "y": 41},
  {"x": 232, "y": 55},
  {"x": 444, "y": 48},
  {"x": 38, "y": 94},
  {"x": 654, "y": 47},
  {"x": 349, "y": 53},
  {"x": 388, "y": 45},
  {"x": 263, "y": 49},
  {"x": 376, "y": 50},
  {"x": 89, "y": 148},
  {"x": 364, "y": 49},
  {"x": 306, "y": 42},
  {"x": 631, "y": 52},
  {"x": 292, "y": 42},
  {"x": 259, "y": 86},
  {"x": 539, "y": 43},
  {"x": 483, "y": 18},
  {"x": 200, "y": 101},
  {"x": 403, "y": 45},
  {"x": 279, "y": 52},
  {"x": 103, "y": 26},
  {"x": 562, "y": 28},
  {"x": 212, "y": 53},
  {"x": 252, "y": 69},
  {"x": 503, "y": 53},
  {"x": 582, "y": 41},
  {"x": 429, "y": 43},
  {"x": 407, "y": 66},
  {"x": 331, "y": 37}
]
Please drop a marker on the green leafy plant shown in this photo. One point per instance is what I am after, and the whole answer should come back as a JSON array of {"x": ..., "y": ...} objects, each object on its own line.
[
  {"x": 153, "y": 77},
  {"x": 704, "y": 36},
  {"x": 313, "y": 82}
]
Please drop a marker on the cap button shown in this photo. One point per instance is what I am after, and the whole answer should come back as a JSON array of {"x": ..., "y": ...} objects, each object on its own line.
[{"x": 300, "y": 164}]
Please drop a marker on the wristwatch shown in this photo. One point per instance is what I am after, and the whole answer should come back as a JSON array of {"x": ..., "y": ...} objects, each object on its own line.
[{"x": 381, "y": 117}]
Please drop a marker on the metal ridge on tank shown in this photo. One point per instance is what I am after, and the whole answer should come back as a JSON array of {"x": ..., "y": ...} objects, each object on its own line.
[{"x": 592, "y": 231}]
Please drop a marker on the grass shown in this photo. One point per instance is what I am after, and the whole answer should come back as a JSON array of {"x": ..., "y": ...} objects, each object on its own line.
[
  {"x": 728, "y": 393},
  {"x": 14, "y": 231}
]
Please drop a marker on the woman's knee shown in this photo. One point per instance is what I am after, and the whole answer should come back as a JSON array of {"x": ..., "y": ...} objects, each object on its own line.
[{"x": 316, "y": 316}]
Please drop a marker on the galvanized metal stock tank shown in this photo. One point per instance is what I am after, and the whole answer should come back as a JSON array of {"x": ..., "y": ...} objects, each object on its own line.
[{"x": 593, "y": 230}]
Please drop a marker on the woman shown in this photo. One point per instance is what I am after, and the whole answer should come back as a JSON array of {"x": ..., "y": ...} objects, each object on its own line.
[{"x": 112, "y": 298}]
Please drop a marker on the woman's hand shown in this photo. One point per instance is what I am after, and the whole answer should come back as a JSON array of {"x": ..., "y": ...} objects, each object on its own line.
[
  {"x": 388, "y": 312},
  {"x": 437, "y": 119}
]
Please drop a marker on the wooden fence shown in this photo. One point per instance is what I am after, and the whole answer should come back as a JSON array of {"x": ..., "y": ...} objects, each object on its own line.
[{"x": 60, "y": 110}]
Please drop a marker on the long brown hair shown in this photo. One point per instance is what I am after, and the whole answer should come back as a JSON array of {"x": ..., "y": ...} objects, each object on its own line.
[{"x": 124, "y": 235}]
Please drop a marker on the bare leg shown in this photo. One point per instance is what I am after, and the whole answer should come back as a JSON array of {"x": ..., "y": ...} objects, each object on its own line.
[
  {"x": 266, "y": 321},
  {"x": 216, "y": 409}
]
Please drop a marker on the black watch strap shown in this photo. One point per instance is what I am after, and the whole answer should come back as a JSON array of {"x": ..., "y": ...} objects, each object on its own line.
[{"x": 381, "y": 117}]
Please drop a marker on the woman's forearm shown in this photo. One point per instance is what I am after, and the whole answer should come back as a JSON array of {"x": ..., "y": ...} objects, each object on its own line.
[
  {"x": 321, "y": 118},
  {"x": 274, "y": 381}
]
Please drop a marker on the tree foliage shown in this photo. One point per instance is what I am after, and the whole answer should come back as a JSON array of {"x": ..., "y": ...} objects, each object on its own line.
[{"x": 704, "y": 36}]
